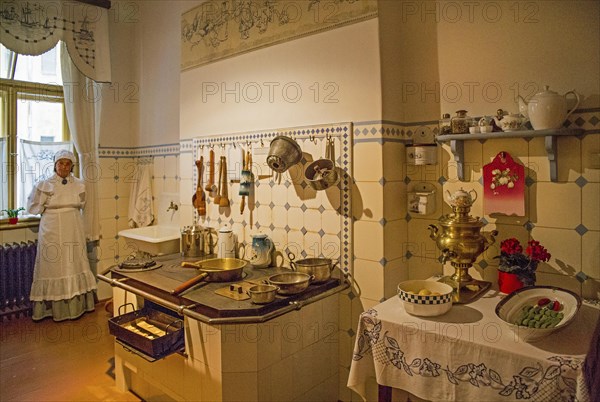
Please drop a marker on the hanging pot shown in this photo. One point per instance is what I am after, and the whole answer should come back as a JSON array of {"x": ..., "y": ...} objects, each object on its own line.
[
  {"x": 322, "y": 174},
  {"x": 283, "y": 153}
]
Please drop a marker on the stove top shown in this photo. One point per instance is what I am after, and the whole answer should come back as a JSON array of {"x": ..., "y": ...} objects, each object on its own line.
[{"x": 208, "y": 298}]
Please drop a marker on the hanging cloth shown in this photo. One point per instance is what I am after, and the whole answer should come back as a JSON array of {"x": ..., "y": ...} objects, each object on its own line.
[
  {"x": 141, "y": 205},
  {"x": 33, "y": 28},
  {"x": 504, "y": 186}
]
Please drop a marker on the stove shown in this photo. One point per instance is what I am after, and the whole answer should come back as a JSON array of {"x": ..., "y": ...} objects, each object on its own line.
[{"x": 215, "y": 299}]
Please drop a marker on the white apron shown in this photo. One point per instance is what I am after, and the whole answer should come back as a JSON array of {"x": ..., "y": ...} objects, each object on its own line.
[{"x": 62, "y": 269}]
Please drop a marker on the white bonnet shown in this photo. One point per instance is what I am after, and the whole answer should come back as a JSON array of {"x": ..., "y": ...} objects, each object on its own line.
[{"x": 64, "y": 154}]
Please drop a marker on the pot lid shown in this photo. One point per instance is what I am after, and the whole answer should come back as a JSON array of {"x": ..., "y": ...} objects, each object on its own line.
[{"x": 225, "y": 229}]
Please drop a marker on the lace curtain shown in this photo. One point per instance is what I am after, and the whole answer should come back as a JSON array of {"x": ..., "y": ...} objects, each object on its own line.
[
  {"x": 33, "y": 28},
  {"x": 35, "y": 161}
]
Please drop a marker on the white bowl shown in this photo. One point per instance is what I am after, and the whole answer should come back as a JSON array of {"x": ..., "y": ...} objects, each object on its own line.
[
  {"x": 426, "y": 305},
  {"x": 510, "y": 308}
]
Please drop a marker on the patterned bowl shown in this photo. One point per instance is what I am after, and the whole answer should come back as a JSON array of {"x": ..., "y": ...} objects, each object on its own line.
[
  {"x": 437, "y": 302},
  {"x": 510, "y": 309}
]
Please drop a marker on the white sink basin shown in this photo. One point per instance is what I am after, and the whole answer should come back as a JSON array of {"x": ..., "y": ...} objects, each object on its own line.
[{"x": 155, "y": 240}]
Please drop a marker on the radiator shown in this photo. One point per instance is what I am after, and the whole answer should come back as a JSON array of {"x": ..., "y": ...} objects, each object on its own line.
[{"x": 16, "y": 274}]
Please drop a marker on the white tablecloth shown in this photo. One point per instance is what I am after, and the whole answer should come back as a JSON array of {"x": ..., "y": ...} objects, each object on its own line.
[{"x": 468, "y": 354}]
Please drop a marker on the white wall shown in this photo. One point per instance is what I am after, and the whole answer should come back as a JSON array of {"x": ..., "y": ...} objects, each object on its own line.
[{"x": 517, "y": 47}]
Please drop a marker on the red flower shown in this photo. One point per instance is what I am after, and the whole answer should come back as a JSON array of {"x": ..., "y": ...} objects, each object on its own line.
[
  {"x": 536, "y": 251},
  {"x": 511, "y": 246}
]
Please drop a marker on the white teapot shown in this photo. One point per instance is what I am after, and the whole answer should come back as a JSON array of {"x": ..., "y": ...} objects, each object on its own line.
[
  {"x": 547, "y": 109},
  {"x": 461, "y": 198}
]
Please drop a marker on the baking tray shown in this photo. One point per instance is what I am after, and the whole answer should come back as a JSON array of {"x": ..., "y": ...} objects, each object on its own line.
[{"x": 170, "y": 341}]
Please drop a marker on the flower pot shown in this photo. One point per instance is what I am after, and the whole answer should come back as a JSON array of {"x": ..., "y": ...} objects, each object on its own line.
[
  {"x": 508, "y": 282},
  {"x": 13, "y": 221}
]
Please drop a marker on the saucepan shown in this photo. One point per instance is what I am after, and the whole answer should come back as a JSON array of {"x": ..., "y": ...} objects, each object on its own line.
[
  {"x": 213, "y": 270},
  {"x": 290, "y": 283},
  {"x": 262, "y": 294},
  {"x": 319, "y": 268}
]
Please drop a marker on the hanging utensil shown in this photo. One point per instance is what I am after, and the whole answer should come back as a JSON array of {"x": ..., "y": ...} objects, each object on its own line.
[
  {"x": 210, "y": 186},
  {"x": 245, "y": 179},
  {"x": 198, "y": 199},
  {"x": 224, "y": 200},
  {"x": 218, "y": 196}
]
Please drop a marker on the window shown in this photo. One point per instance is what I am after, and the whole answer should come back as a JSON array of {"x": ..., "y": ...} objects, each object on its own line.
[{"x": 33, "y": 122}]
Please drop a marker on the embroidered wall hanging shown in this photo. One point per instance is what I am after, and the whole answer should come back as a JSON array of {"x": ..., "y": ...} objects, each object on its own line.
[
  {"x": 218, "y": 29},
  {"x": 34, "y": 27},
  {"x": 504, "y": 186}
]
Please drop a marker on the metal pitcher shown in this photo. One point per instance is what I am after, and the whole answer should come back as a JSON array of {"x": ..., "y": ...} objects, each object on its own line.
[{"x": 196, "y": 241}]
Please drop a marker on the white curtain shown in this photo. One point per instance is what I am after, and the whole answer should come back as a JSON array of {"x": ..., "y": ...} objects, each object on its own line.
[
  {"x": 83, "y": 106},
  {"x": 34, "y": 27}
]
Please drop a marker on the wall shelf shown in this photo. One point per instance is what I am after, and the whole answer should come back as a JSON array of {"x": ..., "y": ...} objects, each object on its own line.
[{"x": 458, "y": 149}]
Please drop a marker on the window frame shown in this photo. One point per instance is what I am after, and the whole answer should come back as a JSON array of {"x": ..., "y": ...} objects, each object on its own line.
[{"x": 16, "y": 90}]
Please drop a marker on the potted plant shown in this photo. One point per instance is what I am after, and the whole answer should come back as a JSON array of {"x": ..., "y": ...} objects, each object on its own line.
[
  {"x": 517, "y": 269},
  {"x": 13, "y": 214}
]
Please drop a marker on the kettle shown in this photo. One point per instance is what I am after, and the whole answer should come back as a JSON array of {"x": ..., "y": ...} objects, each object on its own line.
[
  {"x": 226, "y": 243},
  {"x": 547, "y": 109},
  {"x": 461, "y": 198},
  {"x": 262, "y": 246}
]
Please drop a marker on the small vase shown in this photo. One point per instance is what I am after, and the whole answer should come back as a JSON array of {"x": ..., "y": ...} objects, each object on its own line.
[
  {"x": 508, "y": 282},
  {"x": 13, "y": 221}
]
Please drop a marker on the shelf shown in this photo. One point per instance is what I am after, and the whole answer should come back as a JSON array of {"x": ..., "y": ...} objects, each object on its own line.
[{"x": 458, "y": 149}]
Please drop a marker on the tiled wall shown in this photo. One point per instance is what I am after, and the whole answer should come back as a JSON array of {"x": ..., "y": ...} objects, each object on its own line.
[
  {"x": 119, "y": 169},
  {"x": 562, "y": 215}
]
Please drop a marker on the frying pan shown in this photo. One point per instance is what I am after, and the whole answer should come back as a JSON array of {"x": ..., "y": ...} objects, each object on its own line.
[{"x": 213, "y": 270}]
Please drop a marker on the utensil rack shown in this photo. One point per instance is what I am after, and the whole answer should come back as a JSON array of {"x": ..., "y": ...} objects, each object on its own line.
[{"x": 550, "y": 137}]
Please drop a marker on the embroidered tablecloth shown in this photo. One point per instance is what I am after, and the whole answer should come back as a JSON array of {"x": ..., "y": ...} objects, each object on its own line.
[{"x": 468, "y": 354}]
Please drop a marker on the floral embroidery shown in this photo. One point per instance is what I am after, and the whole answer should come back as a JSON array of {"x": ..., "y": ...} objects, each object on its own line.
[{"x": 535, "y": 383}]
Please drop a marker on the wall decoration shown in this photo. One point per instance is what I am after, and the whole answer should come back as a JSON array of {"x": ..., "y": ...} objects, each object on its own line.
[
  {"x": 218, "y": 29},
  {"x": 504, "y": 186}
]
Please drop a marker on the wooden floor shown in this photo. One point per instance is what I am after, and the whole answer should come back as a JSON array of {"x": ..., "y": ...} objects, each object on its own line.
[{"x": 65, "y": 361}]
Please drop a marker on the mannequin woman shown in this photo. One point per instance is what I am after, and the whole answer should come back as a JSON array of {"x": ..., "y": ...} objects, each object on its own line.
[{"x": 63, "y": 284}]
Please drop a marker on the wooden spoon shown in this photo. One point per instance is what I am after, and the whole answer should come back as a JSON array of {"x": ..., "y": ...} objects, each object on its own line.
[
  {"x": 211, "y": 172},
  {"x": 198, "y": 199},
  {"x": 224, "y": 200},
  {"x": 218, "y": 196}
]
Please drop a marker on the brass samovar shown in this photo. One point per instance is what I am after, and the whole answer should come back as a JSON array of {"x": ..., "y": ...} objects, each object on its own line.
[{"x": 460, "y": 239}]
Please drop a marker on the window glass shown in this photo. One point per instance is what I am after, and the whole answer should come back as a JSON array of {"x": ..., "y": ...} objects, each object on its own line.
[
  {"x": 39, "y": 120},
  {"x": 44, "y": 69},
  {"x": 5, "y": 62}
]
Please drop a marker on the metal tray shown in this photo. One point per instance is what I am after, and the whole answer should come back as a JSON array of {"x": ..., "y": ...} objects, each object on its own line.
[{"x": 170, "y": 340}]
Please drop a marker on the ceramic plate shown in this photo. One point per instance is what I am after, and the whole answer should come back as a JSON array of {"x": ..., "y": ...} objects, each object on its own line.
[{"x": 509, "y": 308}]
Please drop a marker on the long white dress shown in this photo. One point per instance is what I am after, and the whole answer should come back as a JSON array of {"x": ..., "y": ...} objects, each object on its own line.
[{"x": 63, "y": 283}]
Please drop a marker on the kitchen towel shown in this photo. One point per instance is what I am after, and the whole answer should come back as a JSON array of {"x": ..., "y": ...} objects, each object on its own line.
[{"x": 141, "y": 205}]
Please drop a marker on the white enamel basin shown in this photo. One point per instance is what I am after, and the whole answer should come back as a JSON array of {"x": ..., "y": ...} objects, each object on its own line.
[{"x": 155, "y": 240}]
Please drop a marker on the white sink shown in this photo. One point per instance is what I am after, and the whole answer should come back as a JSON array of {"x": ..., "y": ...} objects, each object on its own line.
[{"x": 155, "y": 240}]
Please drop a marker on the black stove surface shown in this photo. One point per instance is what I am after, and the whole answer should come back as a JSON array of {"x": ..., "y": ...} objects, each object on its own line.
[{"x": 202, "y": 297}]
